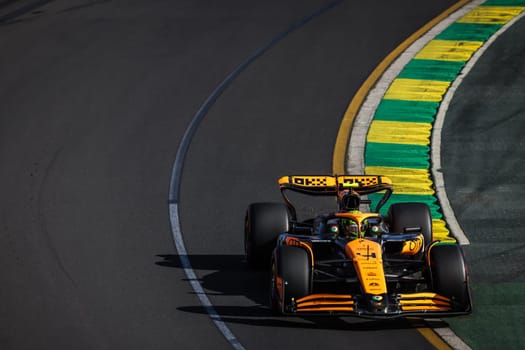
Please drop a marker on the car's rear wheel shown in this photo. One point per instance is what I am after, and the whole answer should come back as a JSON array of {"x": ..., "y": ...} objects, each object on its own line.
[
  {"x": 406, "y": 216},
  {"x": 292, "y": 265},
  {"x": 264, "y": 222},
  {"x": 448, "y": 274}
]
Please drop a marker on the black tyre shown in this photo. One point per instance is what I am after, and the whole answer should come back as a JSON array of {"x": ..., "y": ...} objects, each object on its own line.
[
  {"x": 448, "y": 274},
  {"x": 292, "y": 265},
  {"x": 404, "y": 216},
  {"x": 263, "y": 224}
]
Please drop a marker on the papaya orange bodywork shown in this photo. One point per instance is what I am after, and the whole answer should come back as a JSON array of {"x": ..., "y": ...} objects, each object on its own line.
[
  {"x": 368, "y": 263},
  {"x": 279, "y": 286},
  {"x": 298, "y": 243},
  {"x": 326, "y": 302},
  {"x": 424, "y": 302},
  {"x": 412, "y": 246}
]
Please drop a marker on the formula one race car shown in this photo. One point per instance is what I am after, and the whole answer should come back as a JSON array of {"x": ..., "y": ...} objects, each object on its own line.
[{"x": 351, "y": 262}]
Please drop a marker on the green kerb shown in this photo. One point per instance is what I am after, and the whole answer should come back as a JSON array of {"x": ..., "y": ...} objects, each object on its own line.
[
  {"x": 504, "y": 3},
  {"x": 431, "y": 70},
  {"x": 406, "y": 111},
  {"x": 397, "y": 155}
]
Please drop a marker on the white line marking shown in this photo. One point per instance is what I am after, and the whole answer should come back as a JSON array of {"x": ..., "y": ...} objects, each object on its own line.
[
  {"x": 450, "y": 337},
  {"x": 193, "y": 279},
  {"x": 176, "y": 174}
]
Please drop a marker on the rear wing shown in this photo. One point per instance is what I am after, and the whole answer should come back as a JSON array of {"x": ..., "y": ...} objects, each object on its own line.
[{"x": 328, "y": 185}]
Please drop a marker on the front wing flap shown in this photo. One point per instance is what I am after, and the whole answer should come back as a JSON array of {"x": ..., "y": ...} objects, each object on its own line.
[{"x": 427, "y": 304}]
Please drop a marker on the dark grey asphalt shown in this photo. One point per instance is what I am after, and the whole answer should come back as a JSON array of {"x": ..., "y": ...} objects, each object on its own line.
[
  {"x": 483, "y": 158},
  {"x": 281, "y": 117},
  {"x": 95, "y": 97}
]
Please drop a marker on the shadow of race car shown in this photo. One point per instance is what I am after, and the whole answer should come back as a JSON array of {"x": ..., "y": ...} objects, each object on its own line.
[{"x": 352, "y": 261}]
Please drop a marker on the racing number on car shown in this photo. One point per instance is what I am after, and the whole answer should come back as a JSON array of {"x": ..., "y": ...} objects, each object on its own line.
[{"x": 365, "y": 253}]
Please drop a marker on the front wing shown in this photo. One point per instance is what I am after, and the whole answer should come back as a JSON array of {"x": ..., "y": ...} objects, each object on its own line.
[{"x": 425, "y": 304}]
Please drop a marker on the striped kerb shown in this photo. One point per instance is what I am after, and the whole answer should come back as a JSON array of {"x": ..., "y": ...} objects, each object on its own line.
[{"x": 398, "y": 141}]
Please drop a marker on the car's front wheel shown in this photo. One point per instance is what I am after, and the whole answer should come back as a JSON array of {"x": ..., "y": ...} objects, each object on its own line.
[
  {"x": 291, "y": 277},
  {"x": 404, "y": 216},
  {"x": 448, "y": 274},
  {"x": 264, "y": 222}
]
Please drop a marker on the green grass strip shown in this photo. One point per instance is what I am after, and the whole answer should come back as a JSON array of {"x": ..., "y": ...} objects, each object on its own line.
[
  {"x": 504, "y": 3},
  {"x": 469, "y": 32},
  {"x": 500, "y": 304},
  {"x": 397, "y": 155},
  {"x": 429, "y": 200},
  {"x": 431, "y": 70}
]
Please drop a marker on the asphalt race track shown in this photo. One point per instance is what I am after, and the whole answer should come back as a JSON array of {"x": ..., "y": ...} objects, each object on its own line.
[{"x": 95, "y": 99}]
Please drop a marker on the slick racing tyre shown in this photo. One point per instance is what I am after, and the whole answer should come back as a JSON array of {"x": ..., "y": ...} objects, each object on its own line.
[
  {"x": 264, "y": 222},
  {"x": 411, "y": 215},
  {"x": 292, "y": 266},
  {"x": 448, "y": 274}
]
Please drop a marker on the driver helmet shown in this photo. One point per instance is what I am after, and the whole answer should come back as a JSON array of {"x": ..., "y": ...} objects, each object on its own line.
[
  {"x": 350, "y": 228},
  {"x": 370, "y": 228}
]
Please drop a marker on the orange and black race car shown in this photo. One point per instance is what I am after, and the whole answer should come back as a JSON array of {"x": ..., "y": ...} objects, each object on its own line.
[{"x": 351, "y": 261}]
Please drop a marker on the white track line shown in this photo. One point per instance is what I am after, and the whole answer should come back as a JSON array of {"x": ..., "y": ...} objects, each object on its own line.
[
  {"x": 176, "y": 173},
  {"x": 194, "y": 281}
]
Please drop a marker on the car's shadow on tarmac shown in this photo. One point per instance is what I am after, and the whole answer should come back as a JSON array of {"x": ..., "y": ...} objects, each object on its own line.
[{"x": 232, "y": 277}]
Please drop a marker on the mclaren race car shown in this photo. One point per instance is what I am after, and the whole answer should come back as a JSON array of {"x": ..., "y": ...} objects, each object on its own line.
[{"x": 351, "y": 261}]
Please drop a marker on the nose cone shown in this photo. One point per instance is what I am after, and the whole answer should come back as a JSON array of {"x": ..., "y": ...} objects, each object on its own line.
[{"x": 368, "y": 263}]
